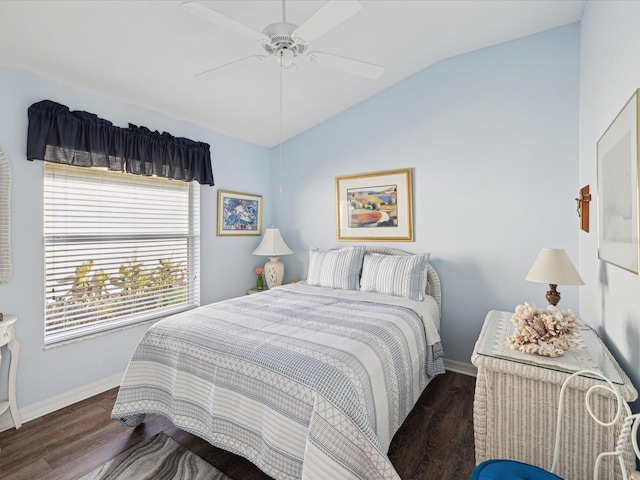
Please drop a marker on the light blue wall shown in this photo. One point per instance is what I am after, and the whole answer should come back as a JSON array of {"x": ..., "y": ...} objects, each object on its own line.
[
  {"x": 226, "y": 263},
  {"x": 609, "y": 74},
  {"x": 492, "y": 139}
]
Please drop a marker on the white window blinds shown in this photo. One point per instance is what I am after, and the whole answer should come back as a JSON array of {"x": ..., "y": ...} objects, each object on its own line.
[{"x": 119, "y": 249}]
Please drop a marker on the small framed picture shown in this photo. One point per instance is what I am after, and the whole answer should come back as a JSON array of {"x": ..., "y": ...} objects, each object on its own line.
[
  {"x": 239, "y": 214},
  {"x": 375, "y": 206}
]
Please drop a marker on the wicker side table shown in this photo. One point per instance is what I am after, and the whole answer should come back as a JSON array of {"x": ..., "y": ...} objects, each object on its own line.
[{"x": 516, "y": 402}]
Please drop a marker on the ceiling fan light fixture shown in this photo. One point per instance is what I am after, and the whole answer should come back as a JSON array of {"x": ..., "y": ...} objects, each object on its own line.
[{"x": 286, "y": 58}]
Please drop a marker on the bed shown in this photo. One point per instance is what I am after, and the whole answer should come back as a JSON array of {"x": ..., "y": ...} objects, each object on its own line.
[{"x": 309, "y": 380}]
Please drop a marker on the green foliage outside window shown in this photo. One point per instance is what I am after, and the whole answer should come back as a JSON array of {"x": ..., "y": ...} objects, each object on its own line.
[{"x": 135, "y": 287}]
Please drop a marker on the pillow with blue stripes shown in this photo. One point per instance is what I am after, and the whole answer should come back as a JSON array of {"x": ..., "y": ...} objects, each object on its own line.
[
  {"x": 398, "y": 275},
  {"x": 338, "y": 268}
]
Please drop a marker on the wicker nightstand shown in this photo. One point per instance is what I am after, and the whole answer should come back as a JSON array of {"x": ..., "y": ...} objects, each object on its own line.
[{"x": 516, "y": 402}]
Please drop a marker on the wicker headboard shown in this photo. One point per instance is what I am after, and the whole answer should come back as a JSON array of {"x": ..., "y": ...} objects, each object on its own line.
[{"x": 433, "y": 280}]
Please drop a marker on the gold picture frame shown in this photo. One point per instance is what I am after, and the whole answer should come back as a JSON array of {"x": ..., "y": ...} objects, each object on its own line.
[
  {"x": 618, "y": 189},
  {"x": 239, "y": 214},
  {"x": 375, "y": 207}
]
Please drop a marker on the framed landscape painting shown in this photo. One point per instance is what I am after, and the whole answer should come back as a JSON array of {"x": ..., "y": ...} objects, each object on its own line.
[
  {"x": 618, "y": 190},
  {"x": 239, "y": 214},
  {"x": 375, "y": 206}
]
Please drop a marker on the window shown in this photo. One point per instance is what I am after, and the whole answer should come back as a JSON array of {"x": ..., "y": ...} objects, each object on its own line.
[{"x": 119, "y": 249}]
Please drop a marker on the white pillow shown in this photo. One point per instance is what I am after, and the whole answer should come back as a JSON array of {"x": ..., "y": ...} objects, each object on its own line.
[
  {"x": 335, "y": 268},
  {"x": 399, "y": 275}
]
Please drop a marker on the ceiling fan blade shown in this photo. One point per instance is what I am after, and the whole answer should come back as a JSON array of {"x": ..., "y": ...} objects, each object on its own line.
[
  {"x": 231, "y": 67},
  {"x": 223, "y": 21},
  {"x": 356, "y": 67},
  {"x": 329, "y": 16}
]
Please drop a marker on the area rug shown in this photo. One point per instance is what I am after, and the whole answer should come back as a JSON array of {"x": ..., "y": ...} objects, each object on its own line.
[{"x": 157, "y": 458}]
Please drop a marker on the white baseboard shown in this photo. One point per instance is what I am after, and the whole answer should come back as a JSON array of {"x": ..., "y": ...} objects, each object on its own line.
[
  {"x": 460, "y": 367},
  {"x": 52, "y": 404}
]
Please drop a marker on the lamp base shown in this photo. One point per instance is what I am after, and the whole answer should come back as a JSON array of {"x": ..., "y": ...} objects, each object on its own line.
[
  {"x": 273, "y": 272},
  {"x": 553, "y": 295}
]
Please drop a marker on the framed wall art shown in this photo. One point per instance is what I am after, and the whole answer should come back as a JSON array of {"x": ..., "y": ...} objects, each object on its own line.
[
  {"x": 375, "y": 206},
  {"x": 617, "y": 152},
  {"x": 239, "y": 214}
]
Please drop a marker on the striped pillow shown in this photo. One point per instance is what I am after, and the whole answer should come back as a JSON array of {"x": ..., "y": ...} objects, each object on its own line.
[
  {"x": 399, "y": 275},
  {"x": 335, "y": 268}
]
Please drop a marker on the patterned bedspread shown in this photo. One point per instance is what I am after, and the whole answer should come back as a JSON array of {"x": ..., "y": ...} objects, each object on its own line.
[{"x": 307, "y": 386}]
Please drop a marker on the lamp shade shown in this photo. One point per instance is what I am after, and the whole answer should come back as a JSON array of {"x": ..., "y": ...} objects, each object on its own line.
[
  {"x": 553, "y": 266},
  {"x": 272, "y": 244}
]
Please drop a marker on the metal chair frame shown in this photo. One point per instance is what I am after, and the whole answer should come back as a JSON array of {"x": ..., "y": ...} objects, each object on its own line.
[{"x": 629, "y": 428}]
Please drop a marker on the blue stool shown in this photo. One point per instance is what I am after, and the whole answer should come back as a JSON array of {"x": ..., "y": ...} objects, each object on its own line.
[{"x": 510, "y": 470}]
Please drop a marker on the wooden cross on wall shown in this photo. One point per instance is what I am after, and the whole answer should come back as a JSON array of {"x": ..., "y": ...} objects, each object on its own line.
[{"x": 583, "y": 207}]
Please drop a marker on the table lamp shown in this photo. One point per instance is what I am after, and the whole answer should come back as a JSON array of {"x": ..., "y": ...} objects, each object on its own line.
[
  {"x": 273, "y": 246},
  {"x": 554, "y": 267}
]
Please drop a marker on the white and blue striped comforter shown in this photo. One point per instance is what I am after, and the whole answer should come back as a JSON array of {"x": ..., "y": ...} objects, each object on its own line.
[{"x": 302, "y": 383}]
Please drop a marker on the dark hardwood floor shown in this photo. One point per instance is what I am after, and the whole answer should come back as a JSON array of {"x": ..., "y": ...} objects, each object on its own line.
[{"x": 435, "y": 442}]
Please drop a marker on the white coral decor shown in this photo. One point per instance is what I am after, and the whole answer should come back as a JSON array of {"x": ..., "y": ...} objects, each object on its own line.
[{"x": 544, "y": 331}]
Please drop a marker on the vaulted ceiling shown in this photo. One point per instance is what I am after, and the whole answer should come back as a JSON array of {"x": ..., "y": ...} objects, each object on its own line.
[{"x": 147, "y": 53}]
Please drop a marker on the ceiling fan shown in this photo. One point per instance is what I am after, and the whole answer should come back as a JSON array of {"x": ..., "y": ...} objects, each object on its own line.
[{"x": 285, "y": 41}]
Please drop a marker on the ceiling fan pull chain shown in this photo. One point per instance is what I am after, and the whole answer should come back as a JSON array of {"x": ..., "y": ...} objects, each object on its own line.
[{"x": 281, "y": 68}]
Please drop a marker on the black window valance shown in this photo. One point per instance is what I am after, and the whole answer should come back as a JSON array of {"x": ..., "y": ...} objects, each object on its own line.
[{"x": 59, "y": 135}]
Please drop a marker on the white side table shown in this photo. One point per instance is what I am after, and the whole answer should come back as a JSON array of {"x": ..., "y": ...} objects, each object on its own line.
[{"x": 8, "y": 338}]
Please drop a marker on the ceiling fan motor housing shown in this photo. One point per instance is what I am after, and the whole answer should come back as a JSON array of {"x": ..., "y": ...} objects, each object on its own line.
[{"x": 282, "y": 39}]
